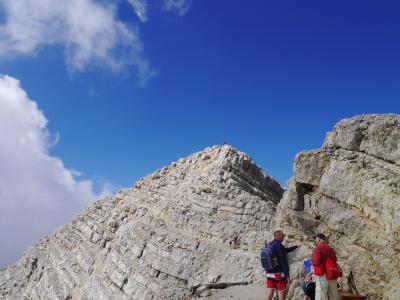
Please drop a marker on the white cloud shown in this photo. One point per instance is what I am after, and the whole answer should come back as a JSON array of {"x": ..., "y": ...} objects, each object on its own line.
[
  {"x": 37, "y": 192},
  {"x": 140, "y": 7},
  {"x": 88, "y": 29},
  {"x": 180, "y": 7}
]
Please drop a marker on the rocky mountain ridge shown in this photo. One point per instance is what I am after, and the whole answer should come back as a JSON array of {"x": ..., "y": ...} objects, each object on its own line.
[
  {"x": 168, "y": 236},
  {"x": 165, "y": 238}
]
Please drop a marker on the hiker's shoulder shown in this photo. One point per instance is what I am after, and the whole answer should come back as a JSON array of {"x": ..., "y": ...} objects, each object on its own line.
[
  {"x": 277, "y": 245},
  {"x": 330, "y": 248}
]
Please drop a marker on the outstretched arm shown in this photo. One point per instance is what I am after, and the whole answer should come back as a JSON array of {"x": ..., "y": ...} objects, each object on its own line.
[
  {"x": 283, "y": 260},
  {"x": 290, "y": 249}
]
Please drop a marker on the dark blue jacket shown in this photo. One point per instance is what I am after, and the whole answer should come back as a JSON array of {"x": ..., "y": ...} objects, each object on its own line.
[{"x": 280, "y": 251}]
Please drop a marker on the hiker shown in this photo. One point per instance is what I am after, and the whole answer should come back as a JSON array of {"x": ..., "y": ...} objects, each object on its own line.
[
  {"x": 326, "y": 270},
  {"x": 274, "y": 261},
  {"x": 234, "y": 242},
  {"x": 309, "y": 287}
]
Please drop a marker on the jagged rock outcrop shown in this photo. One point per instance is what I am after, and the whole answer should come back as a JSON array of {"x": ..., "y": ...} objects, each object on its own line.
[
  {"x": 165, "y": 238},
  {"x": 350, "y": 190}
]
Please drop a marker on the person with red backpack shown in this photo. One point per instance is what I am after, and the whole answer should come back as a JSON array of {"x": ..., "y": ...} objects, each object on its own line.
[{"x": 326, "y": 270}]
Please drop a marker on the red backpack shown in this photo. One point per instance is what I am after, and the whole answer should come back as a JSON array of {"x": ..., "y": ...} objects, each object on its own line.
[
  {"x": 332, "y": 269},
  {"x": 319, "y": 270},
  {"x": 328, "y": 267}
]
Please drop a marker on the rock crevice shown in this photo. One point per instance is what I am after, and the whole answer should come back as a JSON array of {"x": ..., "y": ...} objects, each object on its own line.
[{"x": 354, "y": 198}]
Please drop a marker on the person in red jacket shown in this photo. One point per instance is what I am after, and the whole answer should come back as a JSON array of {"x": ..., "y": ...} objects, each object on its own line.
[{"x": 320, "y": 254}]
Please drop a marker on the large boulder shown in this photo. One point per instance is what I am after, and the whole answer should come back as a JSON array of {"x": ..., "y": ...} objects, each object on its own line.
[
  {"x": 167, "y": 237},
  {"x": 350, "y": 190}
]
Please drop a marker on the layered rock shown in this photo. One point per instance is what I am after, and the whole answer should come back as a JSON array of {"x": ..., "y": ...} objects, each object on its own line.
[
  {"x": 165, "y": 238},
  {"x": 350, "y": 190}
]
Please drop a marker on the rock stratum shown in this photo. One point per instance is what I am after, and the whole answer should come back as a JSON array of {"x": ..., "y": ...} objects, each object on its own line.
[
  {"x": 168, "y": 236},
  {"x": 350, "y": 190},
  {"x": 165, "y": 238}
]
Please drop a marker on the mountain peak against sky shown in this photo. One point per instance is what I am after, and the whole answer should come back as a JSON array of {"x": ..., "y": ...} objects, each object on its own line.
[
  {"x": 164, "y": 238},
  {"x": 198, "y": 224},
  {"x": 98, "y": 93}
]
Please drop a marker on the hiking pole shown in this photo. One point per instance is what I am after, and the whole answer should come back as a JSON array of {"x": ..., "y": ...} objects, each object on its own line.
[{"x": 352, "y": 283}]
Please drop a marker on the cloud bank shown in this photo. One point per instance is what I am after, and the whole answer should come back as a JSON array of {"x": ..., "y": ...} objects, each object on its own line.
[
  {"x": 37, "y": 192},
  {"x": 88, "y": 30}
]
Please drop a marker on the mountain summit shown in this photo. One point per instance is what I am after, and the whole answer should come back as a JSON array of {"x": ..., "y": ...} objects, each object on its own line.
[
  {"x": 198, "y": 225},
  {"x": 165, "y": 238}
]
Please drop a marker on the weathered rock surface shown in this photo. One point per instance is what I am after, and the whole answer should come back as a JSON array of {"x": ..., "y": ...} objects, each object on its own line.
[
  {"x": 165, "y": 238},
  {"x": 350, "y": 190}
]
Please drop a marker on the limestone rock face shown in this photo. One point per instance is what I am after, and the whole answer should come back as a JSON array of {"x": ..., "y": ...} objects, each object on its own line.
[
  {"x": 165, "y": 238},
  {"x": 350, "y": 190}
]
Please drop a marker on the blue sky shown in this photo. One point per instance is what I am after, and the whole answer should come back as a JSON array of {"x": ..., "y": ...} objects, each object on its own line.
[{"x": 269, "y": 77}]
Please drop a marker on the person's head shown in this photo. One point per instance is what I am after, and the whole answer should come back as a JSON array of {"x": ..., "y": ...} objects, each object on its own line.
[
  {"x": 278, "y": 235},
  {"x": 320, "y": 237}
]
